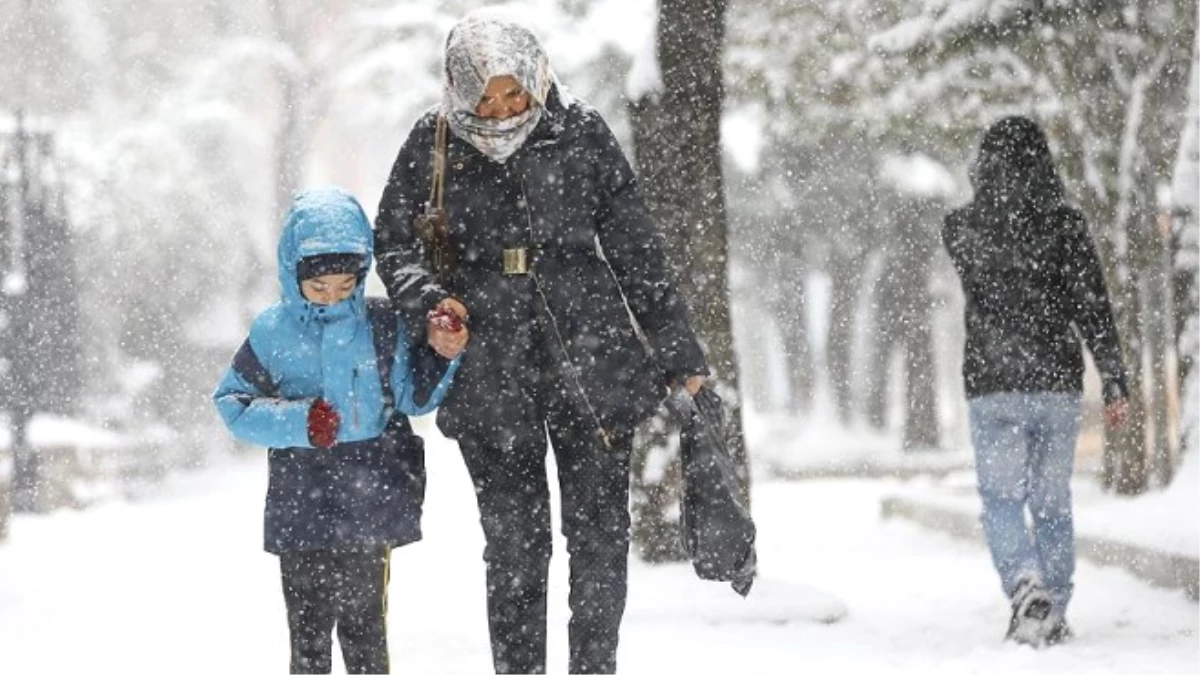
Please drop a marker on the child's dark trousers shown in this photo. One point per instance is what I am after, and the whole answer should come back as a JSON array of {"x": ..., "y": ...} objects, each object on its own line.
[{"x": 346, "y": 590}]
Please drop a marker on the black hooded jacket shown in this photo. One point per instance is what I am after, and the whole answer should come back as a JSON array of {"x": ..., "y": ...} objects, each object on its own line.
[
  {"x": 1031, "y": 275},
  {"x": 570, "y": 197}
]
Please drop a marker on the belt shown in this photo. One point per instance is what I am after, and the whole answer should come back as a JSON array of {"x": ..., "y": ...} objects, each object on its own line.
[
  {"x": 516, "y": 261},
  {"x": 519, "y": 261}
]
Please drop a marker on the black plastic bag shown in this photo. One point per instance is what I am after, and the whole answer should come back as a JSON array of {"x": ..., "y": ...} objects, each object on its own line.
[{"x": 718, "y": 532}]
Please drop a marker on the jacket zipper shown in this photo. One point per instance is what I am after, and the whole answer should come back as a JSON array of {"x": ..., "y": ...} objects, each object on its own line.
[
  {"x": 354, "y": 395},
  {"x": 601, "y": 432}
]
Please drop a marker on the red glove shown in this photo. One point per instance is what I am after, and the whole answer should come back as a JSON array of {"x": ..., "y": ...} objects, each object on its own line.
[
  {"x": 446, "y": 319},
  {"x": 323, "y": 423}
]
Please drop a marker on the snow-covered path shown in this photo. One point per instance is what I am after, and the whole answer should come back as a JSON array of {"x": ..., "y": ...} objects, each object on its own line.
[{"x": 177, "y": 582}]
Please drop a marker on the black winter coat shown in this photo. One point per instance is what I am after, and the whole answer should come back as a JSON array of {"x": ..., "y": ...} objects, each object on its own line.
[
  {"x": 1033, "y": 286},
  {"x": 570, "y": 197}
]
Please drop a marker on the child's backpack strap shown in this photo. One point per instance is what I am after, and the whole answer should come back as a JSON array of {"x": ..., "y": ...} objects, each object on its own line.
[{"x": 384, "y": 326}]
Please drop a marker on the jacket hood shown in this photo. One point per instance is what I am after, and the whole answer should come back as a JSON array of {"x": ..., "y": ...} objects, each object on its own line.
[
  {"x": 322, "y": 220},
  {"x": 1014, "y": 169}
]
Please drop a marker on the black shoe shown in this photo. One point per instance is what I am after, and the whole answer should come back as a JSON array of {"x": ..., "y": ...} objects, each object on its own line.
[
  {"x": 1031, "y": 607},
  {"x": 1059, "y": 633}
]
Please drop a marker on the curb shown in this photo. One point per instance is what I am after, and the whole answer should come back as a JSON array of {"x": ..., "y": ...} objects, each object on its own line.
[
  {"x": 1164, "y": 570},
  {"x": 865, "y": 470}
]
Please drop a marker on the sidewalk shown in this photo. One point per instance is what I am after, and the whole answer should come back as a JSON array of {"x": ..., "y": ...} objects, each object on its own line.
[
  {"x": 1155, "y": 536},
  {"x": 821, "y": 448}
]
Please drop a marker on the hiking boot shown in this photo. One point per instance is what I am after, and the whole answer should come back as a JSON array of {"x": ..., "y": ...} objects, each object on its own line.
[{"x": 1030, "y": 623}]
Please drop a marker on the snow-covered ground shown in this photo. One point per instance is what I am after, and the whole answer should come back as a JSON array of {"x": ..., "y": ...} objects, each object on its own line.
[
  {"x": 1167, "y": 521},
  {"x": 820, "y": 446},
  {"x": 177, "y": 582}
]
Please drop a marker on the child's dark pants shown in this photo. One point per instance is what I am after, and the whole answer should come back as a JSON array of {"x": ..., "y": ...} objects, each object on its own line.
[{"x": 342, "y": 589}]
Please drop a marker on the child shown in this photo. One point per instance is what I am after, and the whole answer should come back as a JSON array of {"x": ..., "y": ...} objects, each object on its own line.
[{"x": 322, "y": 380}]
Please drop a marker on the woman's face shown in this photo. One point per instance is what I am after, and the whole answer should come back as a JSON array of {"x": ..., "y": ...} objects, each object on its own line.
[{"x": 503, "y": 97}]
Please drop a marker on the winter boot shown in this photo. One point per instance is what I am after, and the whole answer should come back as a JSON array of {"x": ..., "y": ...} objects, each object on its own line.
[{"x": 1031, "y": 605}]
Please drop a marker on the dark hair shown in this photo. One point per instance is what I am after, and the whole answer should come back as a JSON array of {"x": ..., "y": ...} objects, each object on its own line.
[{"x": 1014, "y": 168}]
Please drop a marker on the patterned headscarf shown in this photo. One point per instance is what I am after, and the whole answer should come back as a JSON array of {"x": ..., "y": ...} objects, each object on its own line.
[{"x": 481, "y": 46}]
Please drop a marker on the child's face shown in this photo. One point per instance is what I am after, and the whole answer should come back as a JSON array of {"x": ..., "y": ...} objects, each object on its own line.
[{"x": 328, "y": 289}]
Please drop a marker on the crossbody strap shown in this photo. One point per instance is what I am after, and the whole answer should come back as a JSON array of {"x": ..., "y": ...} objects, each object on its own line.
[
  {"x": 437, "y": 182},
  {"x": 384, "y": 331}
]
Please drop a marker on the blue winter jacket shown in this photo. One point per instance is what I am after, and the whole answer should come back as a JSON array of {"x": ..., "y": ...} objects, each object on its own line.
[{"x": 367, "y": 490}]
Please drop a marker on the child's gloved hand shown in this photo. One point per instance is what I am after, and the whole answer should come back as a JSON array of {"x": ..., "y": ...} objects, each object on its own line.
[{"x": 323, "y": 423}]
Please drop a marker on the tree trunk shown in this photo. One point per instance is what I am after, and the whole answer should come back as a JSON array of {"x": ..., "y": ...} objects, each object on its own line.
[
  {"x": 903, "y": 312},
  {"x": 1183, "y": 283},
  {"x": 1125, "y": 448},
  {"x": 882, "y": 351},
  {"x": 921, "y": 430},
  {"x": 655, "y": 463},
  {"x": 1169, "y": 107},
  {"x": 41, "y": 311},
  {"x": 790, "y": 307},
  {"x": 886, "y": 333},
  {"x": 1186, "y": 255},
  {"x": 1160, "y": 342},
  {"x": 920, "y": 378},
  {"x": 845, "y": 275},
  {"x": 678, "y": 151},
  {"x": 1143, "y": 160}
]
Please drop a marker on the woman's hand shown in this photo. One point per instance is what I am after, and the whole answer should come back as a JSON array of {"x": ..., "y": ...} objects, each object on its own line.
[
  {"x": 1115, "y": 413},
  {"x": 447, "y": 329}
]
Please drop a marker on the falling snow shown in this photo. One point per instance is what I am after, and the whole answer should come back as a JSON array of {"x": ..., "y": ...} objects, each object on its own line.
[{"x": 798, "y": 205}]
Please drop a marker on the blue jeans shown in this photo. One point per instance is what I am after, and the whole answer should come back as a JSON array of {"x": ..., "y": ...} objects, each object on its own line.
[{"x": 1024, "y": 455}]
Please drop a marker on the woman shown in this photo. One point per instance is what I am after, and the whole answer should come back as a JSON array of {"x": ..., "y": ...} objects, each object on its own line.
[
  {"x": 1034, "y": 288},
  {"x": 549, "y": 251}
]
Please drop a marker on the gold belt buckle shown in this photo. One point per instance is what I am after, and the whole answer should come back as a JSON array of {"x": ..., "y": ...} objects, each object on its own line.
[{"x": 515, "y": 261}]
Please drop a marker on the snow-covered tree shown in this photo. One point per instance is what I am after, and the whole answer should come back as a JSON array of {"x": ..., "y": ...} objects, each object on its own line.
[
  {"x": 823, "y": 203},
  {"x": 1186, "y": 193}
]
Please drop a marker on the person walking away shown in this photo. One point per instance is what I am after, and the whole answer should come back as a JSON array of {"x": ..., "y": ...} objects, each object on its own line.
[{"x": 1034, "y": 291}]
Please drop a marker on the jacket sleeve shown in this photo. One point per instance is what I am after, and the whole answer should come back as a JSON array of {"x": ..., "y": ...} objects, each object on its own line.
[
  {"x": 400, "y": 257},
  {"x": 635, "y": 251},
  {"x": 1088, "y": 303},
  {"x": 954, "y": 238},
  {"x": 965, "y": 248},
  {"x": 420, "y": 377},
  {"x": 251, "y": 414}
]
